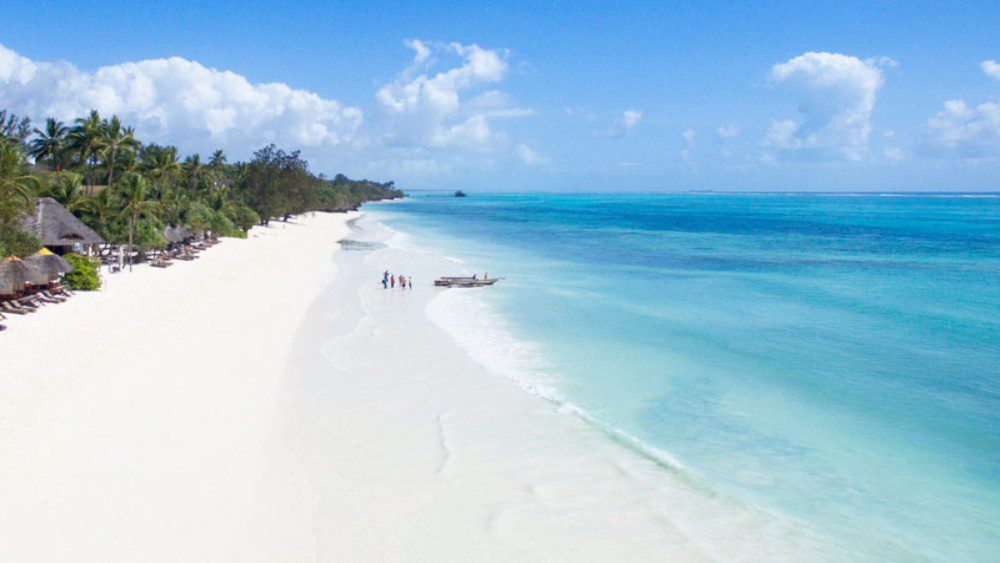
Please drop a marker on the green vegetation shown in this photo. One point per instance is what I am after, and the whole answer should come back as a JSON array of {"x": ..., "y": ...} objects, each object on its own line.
[
  {"x": 129, "y": 191},
  {"x": 84, "y": 275}
]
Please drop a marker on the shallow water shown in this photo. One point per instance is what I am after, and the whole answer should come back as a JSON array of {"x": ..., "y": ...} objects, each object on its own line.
[{"x": 833, "y": 359}]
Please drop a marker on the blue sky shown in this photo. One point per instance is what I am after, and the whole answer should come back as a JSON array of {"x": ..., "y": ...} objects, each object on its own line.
[{"x": 563, "y": 96}]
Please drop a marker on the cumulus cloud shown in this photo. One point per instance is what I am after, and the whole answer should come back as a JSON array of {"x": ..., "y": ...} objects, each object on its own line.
[
  {"x": 178, "y": 101},
  {"x": 628, "y": 120},
  {"x": 969, "y": 132},
  {"x": 421, "y": 52},
  {"x": 450, "y": 108},
  {"x": 991, "y": 68},
  {"x": 836, "y": 97},
  {"x": 432, "y": 120}
]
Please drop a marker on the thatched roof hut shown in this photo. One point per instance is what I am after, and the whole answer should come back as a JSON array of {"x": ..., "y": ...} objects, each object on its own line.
[
  {"x": 57, "y": 227},
  {"x": 14, "y": 273}
]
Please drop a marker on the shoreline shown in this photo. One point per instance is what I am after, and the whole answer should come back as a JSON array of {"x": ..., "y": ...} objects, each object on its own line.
[
  {"x": 271, "y": 401},
  {"x": 379, "y": 380}
]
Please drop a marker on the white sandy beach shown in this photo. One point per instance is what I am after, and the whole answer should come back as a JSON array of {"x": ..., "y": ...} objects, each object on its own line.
[
  {"x": 136, "y": 423},
  {"x": 267, "y": 403}
]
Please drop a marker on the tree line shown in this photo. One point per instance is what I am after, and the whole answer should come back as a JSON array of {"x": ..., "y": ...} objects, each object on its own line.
[{"x": 129, "y": 191}]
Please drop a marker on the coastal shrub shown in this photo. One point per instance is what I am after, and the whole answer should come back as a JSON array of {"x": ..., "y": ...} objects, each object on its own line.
[
  {"x": 243, "y": 217},
  {"x": 221, "y": 225},
  {"x": 149, "y": 235},
  {"x": 198, "y": 217},
  {"x": 84, "y": 275}
]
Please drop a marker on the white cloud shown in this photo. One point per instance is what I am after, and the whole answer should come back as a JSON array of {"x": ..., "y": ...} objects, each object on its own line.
[
  {"x": 887, "y": 62},
  {"x": 728, "y": 131},
  {"x": 970, "y": 132},
  {"x": 449, "y": 109},
  {"x": 179, "y": 101},
  {"x": 991, "y": 68},
  {"x": 836, "y": 97},
  {"x": 438, "y": 117},
  {"x": 421, "y": 51},
  {"x": 628, "y": 120}
]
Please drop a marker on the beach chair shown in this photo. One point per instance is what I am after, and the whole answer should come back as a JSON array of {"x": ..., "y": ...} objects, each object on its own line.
[
  {"x": 10, "y": 307},
  {"x": 63, "y": 290},
  {"x": 51, "y": 295},
  {"x": 34, "y": 300}
]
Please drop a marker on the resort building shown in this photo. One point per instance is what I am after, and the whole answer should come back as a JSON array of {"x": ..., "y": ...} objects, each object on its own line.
[{"x": 58, "y": 229}]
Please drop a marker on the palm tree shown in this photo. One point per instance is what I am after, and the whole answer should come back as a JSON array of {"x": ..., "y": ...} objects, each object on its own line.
[
  {"x": 115, "y": 139},
  {"x": 161, "y": 163},
  {"x": 99, "y": 210},
  {"x": 218, "y": 159},
  {"x": 50, "y": 143},
  {"x": 17, "y": 190},
  {"x": 67, "y": 191},
  {"x": 194, "y": 170},
  {"x": 173, "y": 206},
  {"x": 134, "y": 197},
  {"x": 85, "y": 140}
]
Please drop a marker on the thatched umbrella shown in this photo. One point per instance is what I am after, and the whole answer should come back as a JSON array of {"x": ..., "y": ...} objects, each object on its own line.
[
  {"x": 178, "y": 234},
  {"x": 48, "y": 264},
  {"x": 14, "y": 273}
]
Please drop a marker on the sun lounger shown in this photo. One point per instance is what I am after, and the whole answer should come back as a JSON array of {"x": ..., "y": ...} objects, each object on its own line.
[
  {"x": 51, "y": 295},
  {"x": 36, "y": 300},
  {"x": 29, "y": 301},
  {"x": 63, "y": 290},
  {"x": 9, "y": 307}
]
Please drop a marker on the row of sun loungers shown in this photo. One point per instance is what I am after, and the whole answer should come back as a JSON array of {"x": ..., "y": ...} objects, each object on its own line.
[
  {"x": 32, "y": 301},
  {"x": 186, "y": 253}
]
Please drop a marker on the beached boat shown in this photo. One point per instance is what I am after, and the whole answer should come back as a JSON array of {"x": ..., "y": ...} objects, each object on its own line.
[{"x": 464, "y": 281}]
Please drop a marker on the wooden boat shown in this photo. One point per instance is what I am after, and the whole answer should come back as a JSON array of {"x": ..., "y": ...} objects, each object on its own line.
[{"x": 464, "y": 281}]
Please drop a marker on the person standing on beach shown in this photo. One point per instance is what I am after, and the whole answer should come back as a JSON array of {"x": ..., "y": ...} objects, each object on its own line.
[
  {"x": 385, "y": 279},
  {"x": 409, "y": 280},
  {"x": 392, "y": 281}
]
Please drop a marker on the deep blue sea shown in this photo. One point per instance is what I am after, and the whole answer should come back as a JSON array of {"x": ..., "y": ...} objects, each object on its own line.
[{"x": 831, "y": 358}]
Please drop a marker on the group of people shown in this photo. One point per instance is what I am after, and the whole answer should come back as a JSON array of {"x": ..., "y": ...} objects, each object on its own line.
[{"x": 390, "y": 280}]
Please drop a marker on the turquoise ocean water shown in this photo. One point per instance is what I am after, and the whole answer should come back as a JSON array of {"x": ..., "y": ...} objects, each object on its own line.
[{"x": 834, "y": 359}]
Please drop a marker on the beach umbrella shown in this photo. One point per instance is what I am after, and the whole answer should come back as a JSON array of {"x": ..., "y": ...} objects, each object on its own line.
[
  {"x": 14, "y": 273},
  {"x": 48, "y": 264}
]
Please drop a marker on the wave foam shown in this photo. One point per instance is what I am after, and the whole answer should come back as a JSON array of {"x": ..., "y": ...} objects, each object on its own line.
[{"x": 485, "y": 336}]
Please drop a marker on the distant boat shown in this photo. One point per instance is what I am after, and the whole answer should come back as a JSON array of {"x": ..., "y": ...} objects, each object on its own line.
[
  {"x": 464, "y": 281},
  {"x": 459, "y": 193}
]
